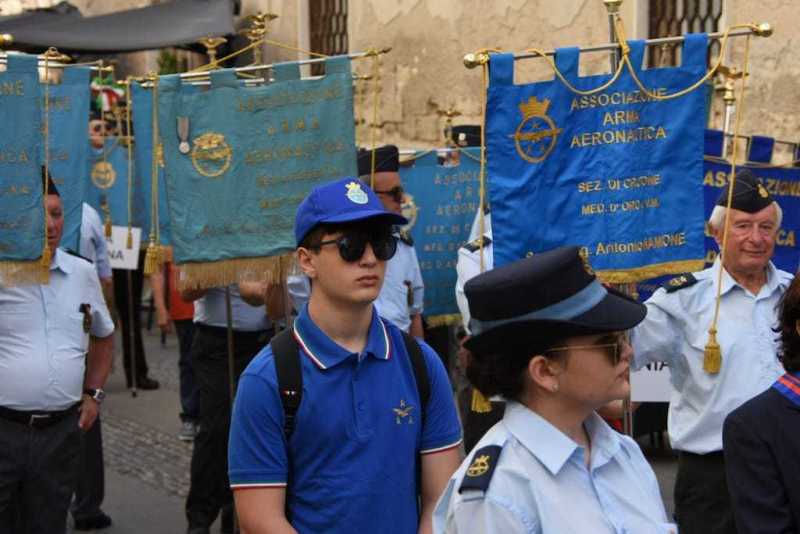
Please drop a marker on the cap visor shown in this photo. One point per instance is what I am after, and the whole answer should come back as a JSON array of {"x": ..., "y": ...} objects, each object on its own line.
[
  {"x": 613, "y": 313},
  {"x": 350, "y": 216}
]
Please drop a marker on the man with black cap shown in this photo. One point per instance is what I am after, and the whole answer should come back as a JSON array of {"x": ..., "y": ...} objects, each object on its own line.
[
  {"x": 676, "y": 332},
  {"x": 55, "y": 355},
  {"x": 344, "y": 423},
  {"x": 401, "y": 299}
]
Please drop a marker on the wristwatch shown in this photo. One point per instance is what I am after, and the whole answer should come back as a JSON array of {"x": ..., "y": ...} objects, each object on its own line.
[{"x": 97, "y": 394}]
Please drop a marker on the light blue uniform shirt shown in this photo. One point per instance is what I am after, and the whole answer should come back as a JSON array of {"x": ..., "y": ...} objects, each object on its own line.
[
  {"x": 210, "y": 310},
  {"x": 42, "y": 339},
  {"x": 402, "y": 273},
  {"x": 675, "y": 331},
  {"x": 541, "y": 484},
  {"x": 93, "y": 241}
]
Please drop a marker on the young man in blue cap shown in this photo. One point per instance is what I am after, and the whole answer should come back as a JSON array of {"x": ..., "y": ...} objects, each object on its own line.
[{"x": 361, "y": 444}]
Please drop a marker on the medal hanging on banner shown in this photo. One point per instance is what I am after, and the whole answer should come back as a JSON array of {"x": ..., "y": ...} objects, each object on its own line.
[{"x": 614, "y": 171}]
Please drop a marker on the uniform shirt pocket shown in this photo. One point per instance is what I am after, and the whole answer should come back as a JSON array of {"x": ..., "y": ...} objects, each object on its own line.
[{"x": 68, "y": 339}]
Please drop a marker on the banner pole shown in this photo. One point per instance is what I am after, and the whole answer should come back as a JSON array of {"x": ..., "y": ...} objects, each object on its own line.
[
  {"x": 231, "y": 363},
  {"x": 131, "y": 344},
  {"x": 612, "y": 7}
]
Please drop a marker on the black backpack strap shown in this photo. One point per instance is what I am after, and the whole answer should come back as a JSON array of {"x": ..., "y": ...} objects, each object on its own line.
[
  {"x": 290, "y": 377},
  {"x": 420, "y": 371}
]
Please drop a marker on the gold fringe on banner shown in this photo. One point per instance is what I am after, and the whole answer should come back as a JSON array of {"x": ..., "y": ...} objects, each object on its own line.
[
  {"x": 443, "y": 320},
  {"x": 480, "y": 404},
  {"x": 22, "y": 273},
  {"x": 628, "y": 276},
  {"x": 221, "y": 273}
]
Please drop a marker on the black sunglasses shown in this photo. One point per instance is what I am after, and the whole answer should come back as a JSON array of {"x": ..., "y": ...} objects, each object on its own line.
[
  {"x": 397, "y": 193},
  {"x": 353, "y": 244}
]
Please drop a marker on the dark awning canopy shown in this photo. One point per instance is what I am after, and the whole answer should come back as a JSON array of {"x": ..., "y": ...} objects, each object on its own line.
[{"x": 175, "y": 23}]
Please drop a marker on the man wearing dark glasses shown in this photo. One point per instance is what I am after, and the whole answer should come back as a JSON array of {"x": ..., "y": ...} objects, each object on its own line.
[
  {"x": 360, "y": 452},
  {"x": 400, "y": 300}
]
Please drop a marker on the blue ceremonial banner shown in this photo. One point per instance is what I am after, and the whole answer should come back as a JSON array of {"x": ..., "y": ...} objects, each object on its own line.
[
  {"x": 442, "y": 201},
  {"x": 68, "y": 118},
  {"x": 615, "y": 172},
  {"x": 239, "y": 160},
  {"x": 22, "y": 231},
  {"x": 142, "y": 110},
  {"x": 107, "y": 185}
]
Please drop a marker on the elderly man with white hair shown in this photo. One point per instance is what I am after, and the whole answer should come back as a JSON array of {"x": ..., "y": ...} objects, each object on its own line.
[{"x": 676, "y": 332}]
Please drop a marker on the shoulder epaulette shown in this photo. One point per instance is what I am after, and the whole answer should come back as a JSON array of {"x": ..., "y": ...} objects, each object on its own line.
[
  {"x": 479, "y": 473},
  {"x": 406, "y": 238},
  {"x": 475, "y": 244},
  {"x": 679, "y": 282},
  {"x": 73, "y": 253}
]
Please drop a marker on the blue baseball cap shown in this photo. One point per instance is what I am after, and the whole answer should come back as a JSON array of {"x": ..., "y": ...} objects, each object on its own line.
[{"x": 344, "y": 200}]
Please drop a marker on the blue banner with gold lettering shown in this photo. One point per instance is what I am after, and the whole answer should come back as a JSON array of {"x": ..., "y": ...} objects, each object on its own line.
[
  {"x": 68, "y": 117},
  {"x": 441, "y": 204},
  {"x": 614, "y": 171},
  {"x": 107, "y": 185},
  {"x": 22, "y": 230},
  {"x": 142, "y": 112},
  {"x": 239, "y": 160}
]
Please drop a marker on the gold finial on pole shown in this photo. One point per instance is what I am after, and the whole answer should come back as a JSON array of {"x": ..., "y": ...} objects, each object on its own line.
[
  {"x": 476, "y": 59},
  {"x": 6, "y": 39},
  {"x": 763, "y": 30},
  {"x": 449, "y": 114},
  {"x": 211, "y": 44},
  {"x": 259, "y": 28},
  {"x": 612, "y": 6}
]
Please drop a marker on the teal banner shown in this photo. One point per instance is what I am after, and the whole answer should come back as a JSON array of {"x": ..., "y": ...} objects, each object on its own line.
[
  {"x": 22, "y": 232},
  {"x": 68, "y": 117},
  {"x": 142, "y": 110},
  {"x": 614, "y": 171},
  {"x": 441, "y": 203},
  {"x": 107, "y": 186},
  {"x": 239, "y": 160}
]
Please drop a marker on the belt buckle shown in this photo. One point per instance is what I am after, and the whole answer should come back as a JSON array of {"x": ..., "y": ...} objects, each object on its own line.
[{"x": 35, "y": 417}]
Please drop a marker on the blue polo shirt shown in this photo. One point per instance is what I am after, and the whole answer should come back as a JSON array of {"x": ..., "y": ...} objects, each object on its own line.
[{"x": 354, "y": 448}]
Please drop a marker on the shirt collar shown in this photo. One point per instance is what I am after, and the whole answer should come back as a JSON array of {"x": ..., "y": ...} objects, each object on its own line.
[
  {"x": 326, "y": 353},
  {"x": 60, "y": 261},
  {"x": 552, "y": 447},
  {"x": 728, "y": 283}
]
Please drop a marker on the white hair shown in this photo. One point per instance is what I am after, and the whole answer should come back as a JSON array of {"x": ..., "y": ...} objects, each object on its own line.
[{"x": 717, "y": 219}]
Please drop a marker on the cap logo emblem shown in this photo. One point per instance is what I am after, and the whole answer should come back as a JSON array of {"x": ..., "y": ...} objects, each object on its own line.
[
  {"x": 356, "y": 194},
  {"x": 762, "y": 191},
  {"x": 479, "y": 466}
]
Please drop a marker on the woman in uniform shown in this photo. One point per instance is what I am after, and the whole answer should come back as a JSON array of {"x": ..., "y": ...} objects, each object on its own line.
[{"x": 550, "y": 338}]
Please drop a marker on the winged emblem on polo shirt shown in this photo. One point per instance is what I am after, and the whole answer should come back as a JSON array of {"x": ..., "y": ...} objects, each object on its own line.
[{"x": 402, "y": 412}]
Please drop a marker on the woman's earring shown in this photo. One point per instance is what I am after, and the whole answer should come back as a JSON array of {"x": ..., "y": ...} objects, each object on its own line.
[{"x": 555, "y": 387}]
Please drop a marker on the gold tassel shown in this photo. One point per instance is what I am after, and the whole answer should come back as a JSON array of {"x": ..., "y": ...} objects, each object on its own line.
[
  {"x": 108, "y": 227},
  {"x": 129, "y": 242},
  {"x": 712, "y": 355},
  {"x": 480, "y": 404},
  {"x": 151, "y": 259},
  {"x": 47, "y": 257}
]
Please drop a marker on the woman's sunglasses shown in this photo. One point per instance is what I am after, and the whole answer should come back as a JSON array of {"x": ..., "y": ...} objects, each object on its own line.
[
  {"x": 613, "y": 345},
  {"x": 353, "y": 244},
  {"x": 397, "y": 193}
]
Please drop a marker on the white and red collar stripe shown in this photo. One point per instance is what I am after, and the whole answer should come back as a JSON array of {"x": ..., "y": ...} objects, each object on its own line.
[{"x": 319, "y": 363}]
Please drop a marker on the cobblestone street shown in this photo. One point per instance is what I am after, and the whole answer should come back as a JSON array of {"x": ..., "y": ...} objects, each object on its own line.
[{"x": 147, "y": 466}]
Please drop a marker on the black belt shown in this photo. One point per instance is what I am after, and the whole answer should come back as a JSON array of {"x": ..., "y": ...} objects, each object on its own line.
[{"x": 36, "y": 419}]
